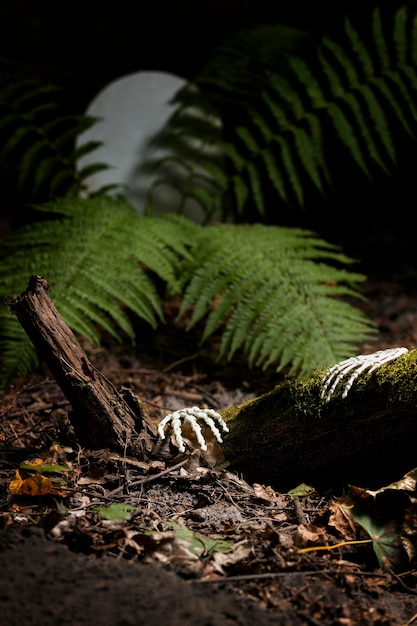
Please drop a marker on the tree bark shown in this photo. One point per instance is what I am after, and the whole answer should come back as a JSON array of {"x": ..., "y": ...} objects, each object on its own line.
[
  {"x": 290, "y": 435},
  {"x": 102, "y": 416}
]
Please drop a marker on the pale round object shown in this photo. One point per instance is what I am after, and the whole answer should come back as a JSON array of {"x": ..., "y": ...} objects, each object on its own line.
[{"x": 132, "y": 111}]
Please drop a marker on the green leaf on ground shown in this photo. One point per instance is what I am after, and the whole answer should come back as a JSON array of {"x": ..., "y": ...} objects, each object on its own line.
[
  {"x": 200, "y": 545},
  {"x": 115, "y": 511},
  {"x": 301, "y": 491},
  {"x": 44, "y": 468},
  {"x": 382, "y": 515}
]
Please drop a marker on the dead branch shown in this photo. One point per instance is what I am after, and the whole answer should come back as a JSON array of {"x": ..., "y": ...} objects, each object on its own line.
[{"x": 102, "y": 416}]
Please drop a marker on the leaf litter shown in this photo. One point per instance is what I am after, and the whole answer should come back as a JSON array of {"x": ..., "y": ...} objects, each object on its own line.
[{"x": 191, "y": 514}]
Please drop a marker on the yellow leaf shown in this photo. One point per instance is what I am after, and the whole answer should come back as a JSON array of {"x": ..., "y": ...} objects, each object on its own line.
[
  {"x": 30, "y": 479},
  {"x": 34, "y": 485},
  {"x": 26, "y": 484}
]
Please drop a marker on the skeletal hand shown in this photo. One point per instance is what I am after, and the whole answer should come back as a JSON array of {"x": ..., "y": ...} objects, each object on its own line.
[
  {"x": 191, "y": 415},
  {"x": 355, "y": 366}
]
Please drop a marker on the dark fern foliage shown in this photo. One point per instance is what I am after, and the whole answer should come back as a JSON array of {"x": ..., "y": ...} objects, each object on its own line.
[
  {"x": 38, "y": 136},
  {"x": 287, "y": 113},
  {"x": 100, "y": 259},
  {"x": 278, "y": 294},
  {"x": 192, "y": 163}
]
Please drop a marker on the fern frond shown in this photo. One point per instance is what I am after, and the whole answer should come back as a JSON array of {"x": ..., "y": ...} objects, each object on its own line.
[
  {"x": 191, "y": 139},
  {"x": 278, "y": 293},
  {"x": 284, "y": 115},
  {"x": 37, "y": 132},
  {"x": 93, "y": 252},
  {"x": 18, "y": 354}
]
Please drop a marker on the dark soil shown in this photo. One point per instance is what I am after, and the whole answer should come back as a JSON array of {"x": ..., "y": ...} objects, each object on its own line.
[
  {"x": 62, "y": 563},
  {"x": 45, "y": 583}
]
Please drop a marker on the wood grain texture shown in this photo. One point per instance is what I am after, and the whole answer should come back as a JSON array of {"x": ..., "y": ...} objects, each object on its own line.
[{"x": 102, "y": 416}]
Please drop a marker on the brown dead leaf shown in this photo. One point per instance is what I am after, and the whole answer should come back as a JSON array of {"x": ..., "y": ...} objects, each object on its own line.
[
  {"x": 30, "y": 481},
  {"x": 383, "y": 515},
  {"x": 343, "y": 523},
  {"x": 266, "y": 493},
  {"x": 26, "y": 484},
  {"x": 167, "y": 548},
  {"x": 220, "y": 560},
  {"x": 308, "y": 535},
  {"x": 406, "y": 483}
]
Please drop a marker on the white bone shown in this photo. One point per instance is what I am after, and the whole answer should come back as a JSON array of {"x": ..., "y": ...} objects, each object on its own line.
[
  {"x": 359, "y": 364},
  {"x": 191, "y": 415}
]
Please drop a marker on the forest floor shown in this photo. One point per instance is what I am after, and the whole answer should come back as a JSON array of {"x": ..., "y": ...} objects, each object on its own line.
[{"x": 179, "y": 540}]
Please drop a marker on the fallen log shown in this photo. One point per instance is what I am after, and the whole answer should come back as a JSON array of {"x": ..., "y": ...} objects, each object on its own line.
[
  {"x": 281, "y": 438},
  {"x": 292, "y": 435},
  {"x": 102, "y": 416}
]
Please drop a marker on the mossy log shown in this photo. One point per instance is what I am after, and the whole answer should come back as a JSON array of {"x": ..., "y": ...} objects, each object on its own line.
[{"x": 291, "y": 435}]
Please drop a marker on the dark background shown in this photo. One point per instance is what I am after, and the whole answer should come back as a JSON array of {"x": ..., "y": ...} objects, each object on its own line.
[{"x": 86, "y": 44}]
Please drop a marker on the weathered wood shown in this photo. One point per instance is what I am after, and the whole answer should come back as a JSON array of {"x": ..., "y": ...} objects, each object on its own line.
[
  {"x": 291, "y": 435},
  {"x": 102, "y": 416}
]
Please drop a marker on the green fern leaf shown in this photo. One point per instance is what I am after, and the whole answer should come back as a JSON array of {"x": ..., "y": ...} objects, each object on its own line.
[
  {"x": 360, "y": 50},
  {"x": 191, "y": 139},
  {"x": 16, "y": 139},
  {"x": 215, "y": 174},
  {"x": 37, "y": 132},
  {"x": 375, "y": 110},
  {"x": 248, "y": 139},
  {"x": 346, "y": 96},
  {"x": 63, "y": 179},
  {"x": 297, "y": 148},
  {"x": 241, "y": 192},
  {"x": 277, "y": 296},
  {"x": 398, "y": 107},
  {"x": 276, "y": 174},
  {"x": 343, "y": 128},
  {"x": 44, "y": 171},
  {"x": 256, "y": 188},
  {"x": 413, "y": 39},
  {"x": 93, "y": 253},
  {"x": 308, "y": 141},
  {"x": 93, "y": 168},
  {"x": 33, "y": 154},
  {"x": 381, "y": 47},
  {"x": 289, "y": 160},
  {"x": 18, "y": 353},
  {"x": 85, "y": 148},
  {"x": 380, "y": 121},
  {"x": 400, "y": 35},
  {"x": 232, "y": 152},
  {"x": 350, "y": 98}
]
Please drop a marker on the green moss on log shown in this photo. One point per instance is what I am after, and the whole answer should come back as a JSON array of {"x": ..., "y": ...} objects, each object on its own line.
[{"x": 291, "y": 435}]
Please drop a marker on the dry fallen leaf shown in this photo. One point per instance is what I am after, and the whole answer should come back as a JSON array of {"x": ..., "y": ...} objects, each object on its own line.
[
  {"x": 36, "y": 485},
  {"x": 240, "y": 551},
  {"x": 30, "y": 480},
  {"x": 308, "y": 535},
  {"x": 389, "y": 516},
  {"x": 342, "y": 522},
  {"x": 267, "y": 493}
]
